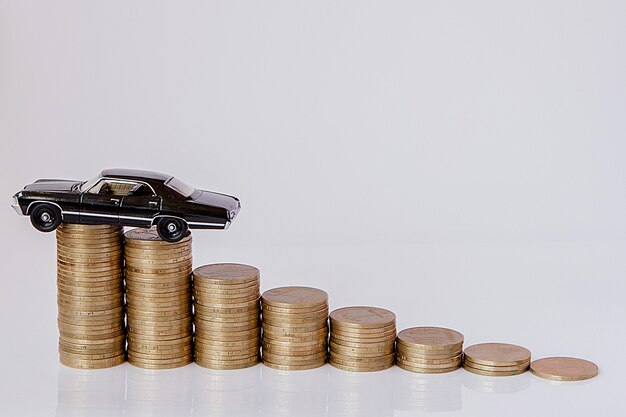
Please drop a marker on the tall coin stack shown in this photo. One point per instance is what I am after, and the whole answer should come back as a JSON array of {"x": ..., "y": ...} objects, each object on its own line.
[
  {"x": 90, "y": 296},
  {"x": 295, "y": 328},
  {"x": 227, "y": 316},
  {"x": 429, "y": 350},
  {"x": 158, "y": 300},
  {"x": 496, "y": 359},
  {"x": 362, "y": 339}
]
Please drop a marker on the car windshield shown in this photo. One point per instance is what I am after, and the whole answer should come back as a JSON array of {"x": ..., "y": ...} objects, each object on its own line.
[
  {"x": 88, "y": 184},
  {"x": 180, "y": 187}
]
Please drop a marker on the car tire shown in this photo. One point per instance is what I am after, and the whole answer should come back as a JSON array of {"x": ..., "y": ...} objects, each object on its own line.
[
  {"x": 45, "y": 217},
  {"x": 172, "y": 229}
]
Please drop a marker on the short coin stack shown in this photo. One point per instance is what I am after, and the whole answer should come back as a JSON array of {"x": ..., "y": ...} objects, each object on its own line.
[
  {"x": 496, "y": 359},
  {"x": 158, "y": 298},
  {"x": 362, "y": 339},
  {"x": 295, "y": 328},
  {"x": 429, "y": 350},
  {"x": 227, "y": 316},
  {"x": 90, "y": 296}
]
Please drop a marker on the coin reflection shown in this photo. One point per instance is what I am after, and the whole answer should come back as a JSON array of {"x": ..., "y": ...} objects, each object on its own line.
[
  {"x": 360, "y": 393},
  {"x": 91, "y": 392},
  {"x": 231, "y": 393},
  {"x": 496, "y": 384},
  {"x": 159, "y": 392},
  {"x": 294, "y": 393},
  {"x": 427, "y": 392}
]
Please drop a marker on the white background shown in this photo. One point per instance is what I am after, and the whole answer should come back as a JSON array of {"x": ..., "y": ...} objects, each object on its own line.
[{"x": 460, "y": 163}]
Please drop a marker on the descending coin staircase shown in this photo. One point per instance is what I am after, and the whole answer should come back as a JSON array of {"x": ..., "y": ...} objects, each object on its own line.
[{"x": 136, "y": 297}]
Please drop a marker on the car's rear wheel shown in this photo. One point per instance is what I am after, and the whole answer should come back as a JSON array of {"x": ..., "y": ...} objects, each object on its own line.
[
  {"x": 172, "y": 229},
  {"x": 45, "y": 217}
]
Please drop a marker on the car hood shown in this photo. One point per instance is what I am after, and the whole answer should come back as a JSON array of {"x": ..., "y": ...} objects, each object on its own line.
[
  {"x": 52, "y": 185},
  {"x": 229, "y": 203}
]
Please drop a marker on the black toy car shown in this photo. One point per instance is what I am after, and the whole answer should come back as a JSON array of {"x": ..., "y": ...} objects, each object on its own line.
[{"x": 127, "y": 198}]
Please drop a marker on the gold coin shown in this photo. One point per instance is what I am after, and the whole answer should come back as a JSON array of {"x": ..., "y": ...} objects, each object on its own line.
[
  {"x": 223, "y": 318},
  {"x": 428, "y": 357},
  {"x": 234, "y": 346},
  {"x": 521, "y": 367},
  {"x": 180, "y": 274},
  {"x": 364, "y": 337},
  {"x": 149, "y": 252},
  {"x": 160, "y": 261},
  {"x": 426, "y": 354},
  {"x": 564, "y": 369},
  {"x": 209, "y": 301},
  {"x": 208, "y": 326},
  {"x": 160, "y": 355},
  {"x": 141, "y": 271},
  {"x": 497, "y": 354},
  {"x": 229, "y": 336},
  {"x": 241, "y": 353},
  {"x": 150, "y": 235},
  {"x": 492, "y": 373},
  {"x": 301, "y": 336},
  {"x": 293, "y": 351},
  {"x": 317, "y": 310},
  {"x": 361, "y": 368},
  {"x": 292, "y": 367},
  {"x": 158, "y": 363},
  {"x": 294, "y": 359},
  {"x": 229, "y": 366},
  {"x": 354, "y": 360},
  {"x": 418, "y": 364},
  {"x": 286, "y": 327},
  {"x": 88, "y": 356},
  {"x": 410, "y": 368},
  {"x": 431, "y": 338},
  {"x": 278, "y": 345},
  {"x": 362, "y": 317},
  {"x": 365, "y": 332},
  {"x": 361, "y": 351},
  {"x": 295, "y": 297},
  {"x": 93, "y": 364},
  {"x": 381, "y": 345},
  {"x": 226, "y": 274},
  {"x": 294, "y": 318},
  {"x": 214, "y": 363},
  {"x": 228, "y": 307},
  {"x": 225, "y": 293},
  {"x": 209, "y": 286}
]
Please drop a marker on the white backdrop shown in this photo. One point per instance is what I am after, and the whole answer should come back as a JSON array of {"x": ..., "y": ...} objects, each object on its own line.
[{"x": 460, "y": 163}]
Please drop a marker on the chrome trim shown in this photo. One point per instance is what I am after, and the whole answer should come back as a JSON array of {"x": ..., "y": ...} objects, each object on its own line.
[
  {"x": 17, "y": 209},
  {"x": 109, "y": 216},
  {"x": 43, "y": 201},
  {"x": 224, "y": 225}
]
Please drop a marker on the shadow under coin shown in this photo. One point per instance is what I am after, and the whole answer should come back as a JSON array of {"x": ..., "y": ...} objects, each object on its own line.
[
  {"x": 360, "y": 393},
  {"x": 162, "y": 392},
  {"x": 232, "y": 393},
  {"x": 294, "y": 393},
  {"x": 427, "y": 392},
  {"x": 99, "y": 392}
]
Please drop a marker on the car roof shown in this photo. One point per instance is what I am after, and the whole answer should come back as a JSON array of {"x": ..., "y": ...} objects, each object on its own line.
[{"x": 135, "y": 174}]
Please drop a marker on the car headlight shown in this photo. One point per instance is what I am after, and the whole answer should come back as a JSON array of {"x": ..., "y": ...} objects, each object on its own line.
[{"x": 15, "y": 202}]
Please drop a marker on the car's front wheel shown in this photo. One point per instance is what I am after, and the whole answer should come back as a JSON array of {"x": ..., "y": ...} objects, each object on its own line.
[
  {"x": 45, "y": 217},
  {"x": 172, "y": 229}
]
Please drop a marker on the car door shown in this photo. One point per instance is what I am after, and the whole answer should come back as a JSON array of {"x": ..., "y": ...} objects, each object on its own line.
[
  {"x": 139, "y": 207},
  {"x": 101, "y": 203}
]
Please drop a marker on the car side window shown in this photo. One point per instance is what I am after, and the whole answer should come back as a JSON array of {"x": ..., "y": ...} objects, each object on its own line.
[
  {"x": 141, "y": 190},
  {"x": 112, "y": 188}
]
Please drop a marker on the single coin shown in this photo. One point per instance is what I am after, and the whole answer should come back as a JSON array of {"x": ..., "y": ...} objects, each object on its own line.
[
  {"x": 497, "y": 354},
  {"x": 492, "y": 373},
  {"x": 295, "y": 297},
  {"x": 362, "y": 317},
  {"x": 226, "y": 273},
  {"x": 564, "y": 369}
]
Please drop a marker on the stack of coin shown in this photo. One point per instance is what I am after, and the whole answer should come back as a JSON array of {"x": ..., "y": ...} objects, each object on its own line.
[
  {"x": 90, "y": 296},
  {"x": 158, "y": 300},
  {"x": 429, "y": 350},
  {"x": 496, "y": 359},
  {"x": 227, "y": 316},
  {"x": 362, "y": 339},
  {"x": 295, "y": 328}
]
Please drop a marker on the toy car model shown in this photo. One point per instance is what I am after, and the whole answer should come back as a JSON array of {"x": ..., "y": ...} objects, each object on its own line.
[{"x": 127, "y": 198}]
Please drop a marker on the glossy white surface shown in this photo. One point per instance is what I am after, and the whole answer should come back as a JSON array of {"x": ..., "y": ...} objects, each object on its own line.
[{"x": 458, "y": 162}]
